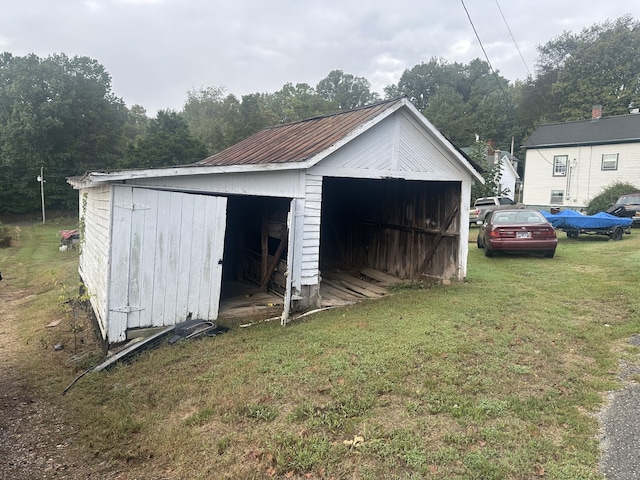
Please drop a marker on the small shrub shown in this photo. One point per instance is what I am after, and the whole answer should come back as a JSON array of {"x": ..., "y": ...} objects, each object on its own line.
[
  {"x": 5, "y": 235},
  {"x": 608, "y": 196}
]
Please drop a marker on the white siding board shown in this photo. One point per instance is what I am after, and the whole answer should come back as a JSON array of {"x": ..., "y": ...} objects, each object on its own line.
[
  {"x": 167, "y": 262},
  {"x": 149, "y": 218},
  {"x": 213, "y": 252},
  {"x": 296, "y": 254},
  {"x": 119, "y": 272},
  {"x": 93, "y": 264},
  {"x": 370, "y": 151},
  {"x": 311, "y": 230},
  {"x": 198, "y": 291},
  {"x": 399, "y": 148},
  {"x": 419, "y": 151},
  {"x": 509, "y": 177},
  {"x": 172, "y": 247},
  {"x": 283, "y": 184},
  {"x": 463, "y": 246}
]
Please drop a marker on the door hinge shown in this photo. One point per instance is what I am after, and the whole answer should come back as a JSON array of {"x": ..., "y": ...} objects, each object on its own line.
[
  {"x": 126, "y": 309},
  {"x": 132, "y": 206}
]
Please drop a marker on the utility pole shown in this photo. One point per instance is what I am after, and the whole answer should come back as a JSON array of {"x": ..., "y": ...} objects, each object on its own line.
[{"x": 41, "y": 180}]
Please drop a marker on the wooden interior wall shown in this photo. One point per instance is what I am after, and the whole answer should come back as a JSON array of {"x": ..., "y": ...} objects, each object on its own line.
[
  {"x": 391, "y": 225},
  {"x": 256, "y": 236}
]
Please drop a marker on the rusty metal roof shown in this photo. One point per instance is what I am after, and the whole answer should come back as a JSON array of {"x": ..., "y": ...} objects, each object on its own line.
[{"x": 296, "y": 142}]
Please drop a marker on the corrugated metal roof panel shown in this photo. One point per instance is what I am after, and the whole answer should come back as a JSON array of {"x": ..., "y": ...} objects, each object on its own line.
[{"x": 296, "y": 142}]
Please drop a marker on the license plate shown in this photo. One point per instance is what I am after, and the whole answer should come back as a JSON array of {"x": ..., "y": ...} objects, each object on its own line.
[{"x": 523, "y": 234}]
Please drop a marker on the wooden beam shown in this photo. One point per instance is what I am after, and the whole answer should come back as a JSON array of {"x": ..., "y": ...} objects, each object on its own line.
[
  {"x": 405, "y": 228},
  {"x": 436, "y": 242},
  {"x": 272, "y": 265}
]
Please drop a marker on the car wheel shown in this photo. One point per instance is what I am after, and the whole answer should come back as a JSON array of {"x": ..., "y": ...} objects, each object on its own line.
[
  {"x": 479, "y": 242},
  {"x": 488, "y": 252},
  {"x": 549, "y": 253}
]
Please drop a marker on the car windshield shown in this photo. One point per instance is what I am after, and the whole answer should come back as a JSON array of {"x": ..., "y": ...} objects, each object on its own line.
[
  {"x": 629, "y": 200},
  {"x": 508, "y": 218}
]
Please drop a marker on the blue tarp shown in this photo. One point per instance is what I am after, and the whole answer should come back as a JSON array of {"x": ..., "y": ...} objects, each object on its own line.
[{"x": 572, "y": 220}]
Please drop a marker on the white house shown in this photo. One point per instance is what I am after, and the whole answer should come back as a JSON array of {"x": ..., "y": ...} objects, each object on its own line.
[
  {"x": 377, "y": 187},
  {"x": 567, "y": 164},
  {"x": 509, "y": 177},
  {"x": 510, "y": 182}
]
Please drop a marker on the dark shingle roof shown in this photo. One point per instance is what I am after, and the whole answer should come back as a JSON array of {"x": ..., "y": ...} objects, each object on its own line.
[
  {"x": 616, "y": 129},
  {"x": 296, "y": 142}
]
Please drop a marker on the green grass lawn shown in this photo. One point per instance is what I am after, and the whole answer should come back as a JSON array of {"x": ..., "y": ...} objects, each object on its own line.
[{"x": 498, "y": 377}]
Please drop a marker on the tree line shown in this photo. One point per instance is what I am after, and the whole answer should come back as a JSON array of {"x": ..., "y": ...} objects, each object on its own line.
[{"x": 60, "y": 113}]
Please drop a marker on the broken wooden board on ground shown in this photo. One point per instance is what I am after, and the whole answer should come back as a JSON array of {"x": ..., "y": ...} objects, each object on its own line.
[
  {"x": 339, "y": 287},
  {"x": 384, "y": 279}
]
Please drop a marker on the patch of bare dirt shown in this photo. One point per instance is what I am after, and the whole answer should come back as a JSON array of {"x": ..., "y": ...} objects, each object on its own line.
[{"x": 35, "y": 441}]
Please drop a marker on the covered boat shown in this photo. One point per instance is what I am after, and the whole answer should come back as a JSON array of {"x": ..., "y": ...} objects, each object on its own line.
[{"x": 602, "y": 223}]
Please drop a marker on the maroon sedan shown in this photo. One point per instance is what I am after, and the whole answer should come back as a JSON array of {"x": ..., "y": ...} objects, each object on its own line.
[{"x": 517, "y": 231}]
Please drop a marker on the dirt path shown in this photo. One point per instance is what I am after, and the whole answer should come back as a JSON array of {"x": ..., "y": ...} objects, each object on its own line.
[{"x": 35, "y": 442}]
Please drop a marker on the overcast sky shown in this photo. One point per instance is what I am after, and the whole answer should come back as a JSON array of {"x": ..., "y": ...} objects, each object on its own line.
[{"x": 158, "y": 50}]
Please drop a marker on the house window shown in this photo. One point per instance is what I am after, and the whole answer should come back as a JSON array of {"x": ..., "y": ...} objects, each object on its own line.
[
  {"x": 609, "y": 161},
  {"x": 560, "y": 165},
  {"x": 557, "y": 196}
]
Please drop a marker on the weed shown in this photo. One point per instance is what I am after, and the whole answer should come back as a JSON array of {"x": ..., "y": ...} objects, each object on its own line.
[
  {"x": 200, "y": 417},
  {"x": 223, "y": 444},
  {"x": 6, "y": 235},
  {"x": 261, "y": 412}
]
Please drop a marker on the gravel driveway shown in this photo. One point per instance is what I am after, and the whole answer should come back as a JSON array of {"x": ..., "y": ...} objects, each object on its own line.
[{"x": 35, "y": 442}]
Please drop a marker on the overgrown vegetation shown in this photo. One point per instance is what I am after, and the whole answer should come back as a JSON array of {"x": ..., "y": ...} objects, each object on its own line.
[
  {"x": 609, "y": 196},
  {"x": 495, "y": 378},
  {"x": 492, "y": 174},
  {"x": 5, "y": 235}
]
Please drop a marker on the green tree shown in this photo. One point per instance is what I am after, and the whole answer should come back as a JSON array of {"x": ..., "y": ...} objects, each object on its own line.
[
  {"x": 421, "y": 83},
  {"x": 136, "y": 123},
  {"x": 600, "y": 65},
  {"x": 167, "y": 142},
  {"x": 56, "y": 113},
  {"x": 213, "y": 118},
  {"x": 448, "y": 111},
  {"x": 346, "y": 91},
  {"x": 255, "y": 114},
  {"x": 294, "y": 103},
  {"x": 462, "y": 100}
]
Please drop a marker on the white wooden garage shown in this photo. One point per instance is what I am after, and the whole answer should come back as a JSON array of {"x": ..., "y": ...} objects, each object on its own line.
[{"x": 376, "y": 187}]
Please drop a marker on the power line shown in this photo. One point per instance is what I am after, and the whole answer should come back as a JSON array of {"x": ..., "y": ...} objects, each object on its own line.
[
  {"x": 514, "y": 40},
  {"x": 486, "y": 56}
]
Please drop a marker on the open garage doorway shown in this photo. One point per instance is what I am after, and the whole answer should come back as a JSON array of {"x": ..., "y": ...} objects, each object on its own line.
[
  {"x": 403, "y": 228},
  {"x": 255, "y": 257}
]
